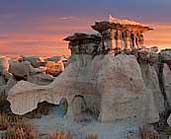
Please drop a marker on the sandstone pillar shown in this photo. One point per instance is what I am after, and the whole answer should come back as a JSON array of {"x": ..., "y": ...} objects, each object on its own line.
[
  {"x": 137, "y": 40},
  {"x": 107, "y": 40},
  {"x": 141, "y": 40},
  {"x": 113, "y": 40},
  {"x": 118, "y": 37},
  {"x": 128, "y": 39},
  {"x": 124, "y": 40},
  {"x": 132, "y": 38}
]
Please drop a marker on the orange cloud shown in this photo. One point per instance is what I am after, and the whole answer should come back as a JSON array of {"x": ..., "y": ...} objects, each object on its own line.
[
  {"x": 160, "y": 37},
  {"x": 44, "y": 36},
  {"x": 29, "y": 44}
]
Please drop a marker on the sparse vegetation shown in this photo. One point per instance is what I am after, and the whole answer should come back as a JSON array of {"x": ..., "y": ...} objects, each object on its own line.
[
  {"x": 60, "y": 135},
  {"x": 69, "y": 136},
  {"x": 20, "y": 132},
  {"x": 91, "y": 137},
  {"x": 4, "y": 123},
  {"x": 16, "y": 127},
  {"x": 3, "y": 99},
  {"x": 148, "y": 133}
]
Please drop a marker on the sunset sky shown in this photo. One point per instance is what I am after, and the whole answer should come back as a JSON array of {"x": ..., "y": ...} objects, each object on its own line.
[{"x": 37, "y": 27}]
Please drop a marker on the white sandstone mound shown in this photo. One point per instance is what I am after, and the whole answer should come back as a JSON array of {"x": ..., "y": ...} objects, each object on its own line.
[
  {"x": 167, "y": 81},
  {"x": 151, "y": 81},
  {"x": 111, "y": 84},
  {"x": 124, "y": 92}
]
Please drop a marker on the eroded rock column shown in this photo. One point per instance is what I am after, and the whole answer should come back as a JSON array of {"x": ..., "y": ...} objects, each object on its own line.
[
  {"x": 132, "y": 40},
  {"x": 113, "y": 40},
  {"x": 141, "y": 40},
  {"x": 119, "y": 39},
  {"x": 126, "y": 39},
  {"x": 128, "y": 43},
  {"x": 107, "y": 40}
]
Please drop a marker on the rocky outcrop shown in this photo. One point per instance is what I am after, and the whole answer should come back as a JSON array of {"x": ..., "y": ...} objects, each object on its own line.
[
  {"x": 54, "y": 68},
  {"x": 81, "y": 43},
  {"x": 124, "y": 91},
  {"x": 34, "y": 61},
  {"x": 110, "y": 77},
  {"x": 111, "y": 85},
  {"x": 21, "y": 71}
]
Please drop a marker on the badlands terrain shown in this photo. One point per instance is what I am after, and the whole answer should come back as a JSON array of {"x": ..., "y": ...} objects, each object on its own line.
[{"x": 111, "y": 87}]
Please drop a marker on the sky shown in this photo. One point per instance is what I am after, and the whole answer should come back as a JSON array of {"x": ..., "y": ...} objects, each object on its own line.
[{"x": 37, "y": 27}]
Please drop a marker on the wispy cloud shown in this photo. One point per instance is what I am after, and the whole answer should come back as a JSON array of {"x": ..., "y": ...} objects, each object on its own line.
[{"x": 68, "y": 18}]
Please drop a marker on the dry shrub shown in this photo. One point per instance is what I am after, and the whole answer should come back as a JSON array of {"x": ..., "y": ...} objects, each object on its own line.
[
  {"x": 3, "y": 99},
  {"x": 16, "y": 128},
  {"x": 7, "y": 121},
  {"x": 91, "y": 137},
  {"x": 148, "y": 133},
  {"x": 4, "y": 123},
  {"x": 69, "y": 136},
  {"x": 20, "y": 131},
  {"x": 60, "y": 136},
  {"x": 42, "y": 109}
]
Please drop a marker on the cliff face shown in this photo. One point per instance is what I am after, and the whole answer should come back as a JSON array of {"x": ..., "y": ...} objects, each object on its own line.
[
  {"x": 114, "y": 86},
  {"x": 125, "y": 94}
]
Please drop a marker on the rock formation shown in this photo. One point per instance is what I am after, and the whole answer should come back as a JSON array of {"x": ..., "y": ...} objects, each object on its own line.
[
  {"x": 54, "y": 68},
  {"x": 121, "y": 34},
  {"x": 111, "y": 76},
  {"x": 81, "y": 43}
]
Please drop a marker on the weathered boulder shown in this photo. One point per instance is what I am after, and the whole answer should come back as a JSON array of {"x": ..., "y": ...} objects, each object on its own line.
[
  {"x": 40, "y": 79},
  {"x": 19, "y": 70},
  {"x": 53, "y": 59},
  {"x": 66, "y": 85},
  {"x": 54, "y": 68},
  {"x": 111, "y": 85},
  {"x": 34, "y": 60}
]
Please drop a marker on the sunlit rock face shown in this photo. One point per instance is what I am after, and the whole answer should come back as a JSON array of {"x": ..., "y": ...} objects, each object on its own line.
[{"x": 54, "y": 68}]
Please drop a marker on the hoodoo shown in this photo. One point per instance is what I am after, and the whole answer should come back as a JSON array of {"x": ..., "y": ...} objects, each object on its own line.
[
  {"x": 121, "y": 34},
  {"x": 82, "y": 43},
  {"x": 111, "y": 77}
]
